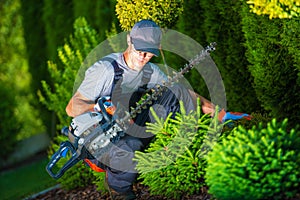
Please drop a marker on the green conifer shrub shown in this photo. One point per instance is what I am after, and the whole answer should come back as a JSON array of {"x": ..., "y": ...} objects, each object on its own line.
[
  {"x": 273, "y": 56},
  {"x": 258, "y": 163},
  {"x": 71, "y": 56},
  {"x": 64, "y": 72},
  {"x": 174, "y": 164}
]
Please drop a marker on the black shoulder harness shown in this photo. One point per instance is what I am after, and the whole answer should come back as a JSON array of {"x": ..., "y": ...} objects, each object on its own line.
[{"x": 118, "y": 72}]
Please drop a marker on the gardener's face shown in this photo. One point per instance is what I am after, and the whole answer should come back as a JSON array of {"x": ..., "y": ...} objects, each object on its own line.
[{"x": 138, "y": 59}]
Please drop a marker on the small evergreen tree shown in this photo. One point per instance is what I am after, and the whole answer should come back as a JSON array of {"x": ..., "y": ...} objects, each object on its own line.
[
  {"x": 58, "y": 18},
  {"x": 174, "y": 164},
  {"x": 64, "y": 73}
]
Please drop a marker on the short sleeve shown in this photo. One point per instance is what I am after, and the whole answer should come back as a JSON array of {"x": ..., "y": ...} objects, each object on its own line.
[{"x": 97, "y": 81}]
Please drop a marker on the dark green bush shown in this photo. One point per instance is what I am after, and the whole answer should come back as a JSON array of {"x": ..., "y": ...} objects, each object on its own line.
[
  {"x": 9, "y": 125},
  {"x": 259, "y": 163},
  {"x": 174, "y": 164},
  {"x": 273, "y": 54},
  {"x": 220, "y": 21}
]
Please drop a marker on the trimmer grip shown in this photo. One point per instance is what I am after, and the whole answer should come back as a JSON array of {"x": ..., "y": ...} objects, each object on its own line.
[{"x": 64, "y": 146}]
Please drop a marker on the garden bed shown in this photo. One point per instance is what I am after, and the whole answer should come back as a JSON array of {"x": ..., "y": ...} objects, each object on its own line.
[{"x": 91, "y": 193}]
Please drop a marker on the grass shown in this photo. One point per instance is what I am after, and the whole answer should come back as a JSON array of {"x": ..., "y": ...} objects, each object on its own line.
[{"x": 25, "y": 181}]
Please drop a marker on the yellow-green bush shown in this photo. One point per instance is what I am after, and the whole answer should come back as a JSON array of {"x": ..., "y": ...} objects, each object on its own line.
[
  {"x": 259, "y": 163},
  {"x": 164, "y": 12},
  {"x": 276, "y": 9}
]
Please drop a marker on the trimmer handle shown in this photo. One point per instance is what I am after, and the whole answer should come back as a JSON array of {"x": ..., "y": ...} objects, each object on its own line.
[{"x": 62, "y": 151}]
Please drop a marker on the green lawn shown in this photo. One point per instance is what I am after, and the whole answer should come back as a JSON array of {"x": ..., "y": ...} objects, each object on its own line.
[{"x": 25, "y": 181}]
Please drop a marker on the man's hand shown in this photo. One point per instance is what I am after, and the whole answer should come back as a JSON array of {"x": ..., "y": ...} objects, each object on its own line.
[
  {"x": 235, "y": 116},
  {"x": 108, "y": 105}
]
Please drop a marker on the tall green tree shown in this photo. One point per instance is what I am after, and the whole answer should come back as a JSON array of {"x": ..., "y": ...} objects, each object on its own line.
[
  {"x": 99, "y": 14},
  {"x": 57, "y": 18},
  {"x": 18, "y": 118},
  {"x": 276, "y": 9},
  {"x": 274, "y": 63},
  {"x": 222, "y": 24},
  {"x": 36, "y": 52},
  {"x": 191, "y": 25}
]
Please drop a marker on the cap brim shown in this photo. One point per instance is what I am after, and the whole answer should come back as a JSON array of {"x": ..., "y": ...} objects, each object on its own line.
[
  {"x": 146, "y": 47},
  {"x": 149, "y": 50}
]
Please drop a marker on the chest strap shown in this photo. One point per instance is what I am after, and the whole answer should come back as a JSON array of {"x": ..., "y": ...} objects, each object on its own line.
[
  {"x": 147, "y": 72},
  {"x": 118, "y": 72}
]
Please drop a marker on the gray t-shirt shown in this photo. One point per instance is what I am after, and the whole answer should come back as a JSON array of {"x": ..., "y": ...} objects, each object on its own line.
[{"x": 98, "y": 80}]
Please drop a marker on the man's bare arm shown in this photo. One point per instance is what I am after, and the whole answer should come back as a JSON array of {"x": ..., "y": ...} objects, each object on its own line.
[
  {"x": 206, "y": 105},
  {"x": 78, "y": 105}
]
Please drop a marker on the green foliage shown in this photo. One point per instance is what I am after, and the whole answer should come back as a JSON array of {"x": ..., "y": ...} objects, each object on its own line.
[
  {"x": 79, "y": 175},
  {"x": 276, "y": 9},
  {"x": 274, "y": 63},
  {"x": 19, "y": 119},
  {"x": 192, "y": 26},
  {"x": 101, "y": 17},
  {"x": 222, "y": 24},
  {"x": 9, "y": 125},
  {"x": 258, "y": 163},
  {"x": 174, "y": 163},
  {"x": 164, "y": 13},
  {"x": 290, "y": 34},
  {"x": 58, "y": 19},
  {"x": 71, "y": 57},
  {"x": 36, "y": 52},
  {"x": 43, "y": 36},
  {"x": 99, "y": 179},
  {"x": 35, "y": 42}
]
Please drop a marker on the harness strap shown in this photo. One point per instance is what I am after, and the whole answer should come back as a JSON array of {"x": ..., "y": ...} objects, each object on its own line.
[
  {"x": 118, "y": 72},
  {"x": 147, "y": 72}
]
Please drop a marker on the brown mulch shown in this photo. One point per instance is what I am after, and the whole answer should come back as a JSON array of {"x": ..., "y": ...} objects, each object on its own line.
[{"x": 91, "y": 193}]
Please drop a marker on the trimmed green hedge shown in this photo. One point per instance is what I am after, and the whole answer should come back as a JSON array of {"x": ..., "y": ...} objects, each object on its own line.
[
  {"x": 259, "y": 163},
  {"x": 273, "y": 53}
]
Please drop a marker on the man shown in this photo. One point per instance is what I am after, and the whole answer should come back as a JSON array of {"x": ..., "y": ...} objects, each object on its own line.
[{"x": 124, "y": 77}]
